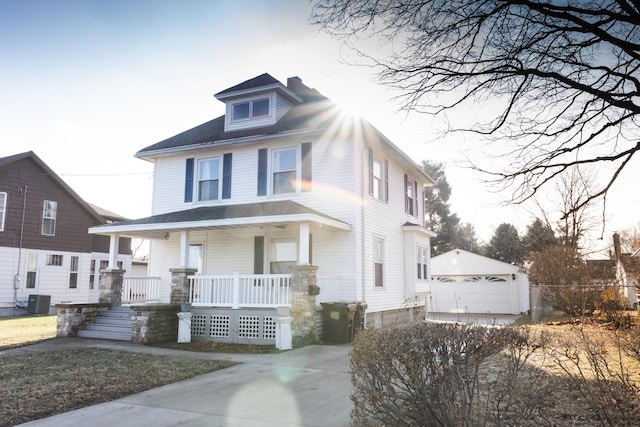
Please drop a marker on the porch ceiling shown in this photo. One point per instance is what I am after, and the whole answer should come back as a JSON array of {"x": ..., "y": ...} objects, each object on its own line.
[{"x": 275, "y": 213}]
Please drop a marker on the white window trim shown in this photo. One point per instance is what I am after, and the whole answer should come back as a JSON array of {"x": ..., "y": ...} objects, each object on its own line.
[
  {"x": 271, "y": 169},
  {"x": 380, "y": 196},
  {"x": 251, "y": 101},
  {"x": 54, "y": 218},
  {"x": 198, "y": 180},
  {"x": 3, "y": 210},
  {"x": 380, "y": 239}
]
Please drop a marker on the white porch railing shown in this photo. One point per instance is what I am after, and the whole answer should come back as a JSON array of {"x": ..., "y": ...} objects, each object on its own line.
[
  {"x": 140, "y": 289},
  {"x": 240, "y": 290}
]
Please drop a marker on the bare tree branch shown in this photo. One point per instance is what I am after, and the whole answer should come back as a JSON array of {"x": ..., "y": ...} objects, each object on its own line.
[{"x": 564, "y": 76}]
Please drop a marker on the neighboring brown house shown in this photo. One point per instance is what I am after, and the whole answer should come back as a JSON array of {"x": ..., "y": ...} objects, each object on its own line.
[
  {"x": 45, "y": 248},
  {"x": 623, "y": 270}
]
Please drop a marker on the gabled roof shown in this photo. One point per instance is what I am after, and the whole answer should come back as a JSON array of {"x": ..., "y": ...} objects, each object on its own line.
[
  {"x": 222, "y": 216},
  {"x": 315, "y": 113},
  {"x": 262, "y": 80},
  {"x": 602, "y": 269},
  {"x": 5, "y": 161},
  {"x": 462, "y": 263},
  {"x": 307, "y": 116}
]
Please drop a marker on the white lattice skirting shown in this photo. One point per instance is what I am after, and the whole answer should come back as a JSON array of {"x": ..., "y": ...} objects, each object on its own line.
[{"x": 245, "y": 326}]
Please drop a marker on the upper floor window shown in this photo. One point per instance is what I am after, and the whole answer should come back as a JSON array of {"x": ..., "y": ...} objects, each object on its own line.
[
  {"x": 411, "y": 196},
  {"x": 49, "y": 215},
  {"x": 288, "y": 170},
  {"x": 250, "y": 109},
  {"x": 378, "y": 177},
  {"x": 3, "y": 209},
  {"x": 209, "y": 179},
  {"x": 285, "y": 171}
]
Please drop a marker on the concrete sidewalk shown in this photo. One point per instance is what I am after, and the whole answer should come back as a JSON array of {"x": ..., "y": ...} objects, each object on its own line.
[{"x": 309, "y": 386}]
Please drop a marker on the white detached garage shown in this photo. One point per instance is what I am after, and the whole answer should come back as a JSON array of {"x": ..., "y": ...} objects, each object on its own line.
[{"x": 464, "y": 282}]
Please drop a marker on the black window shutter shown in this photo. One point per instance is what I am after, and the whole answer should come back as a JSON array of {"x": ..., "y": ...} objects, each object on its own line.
[
  {"x": 226, "y": 176},
  {"x": 258, "y": 255},
  {"x": 311, "y": 249},
  {"x": 262, "y": 172},
  {"x": 415, "y": 198},
  {"x": 188, "y": 181},
  {"x": 305, "y": 171},
  {"x": 406, "y": 198},
  {"x": 370, "y": 171}
]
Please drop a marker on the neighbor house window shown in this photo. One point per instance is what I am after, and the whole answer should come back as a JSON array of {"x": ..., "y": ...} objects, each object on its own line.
[
  {"x": 378, "y": 261},
  {"x": 285, "y": 170},
  {"x": 73, "y": 272},
  {"x": 411, "y": 196},
  {"x": 209, "y": 179},
  {"x": 54, "y": 260},
  {"x": 32, "y": 265},
  {"x": 3, "y": 209},
  {"x": 422, "y": 256},
  {"x": 251, "y": 109},
  {"x": 92, "y": 274},
  {"x": 377, "y": 178},
  {"x": 49, "y": 214}
]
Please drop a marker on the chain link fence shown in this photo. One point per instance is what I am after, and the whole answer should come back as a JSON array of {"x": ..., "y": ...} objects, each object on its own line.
[{"x": 578, "y": 300}]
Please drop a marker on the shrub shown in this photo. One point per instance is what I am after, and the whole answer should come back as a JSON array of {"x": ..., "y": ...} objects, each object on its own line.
[{"x": 428, "y": 375}]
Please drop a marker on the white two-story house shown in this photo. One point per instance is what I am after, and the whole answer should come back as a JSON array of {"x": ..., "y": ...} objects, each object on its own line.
[{"x": 285, "y": 178}]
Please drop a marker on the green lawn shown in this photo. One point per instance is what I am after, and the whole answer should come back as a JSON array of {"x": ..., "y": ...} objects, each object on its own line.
[{"x": 21, "y": 330}]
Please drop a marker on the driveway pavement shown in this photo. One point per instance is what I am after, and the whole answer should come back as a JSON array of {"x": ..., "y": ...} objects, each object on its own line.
[{"x": 309, "y": 386}]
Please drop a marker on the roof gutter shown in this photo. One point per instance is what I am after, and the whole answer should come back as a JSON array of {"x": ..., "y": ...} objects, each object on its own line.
[{"x": 231, "y": 141}]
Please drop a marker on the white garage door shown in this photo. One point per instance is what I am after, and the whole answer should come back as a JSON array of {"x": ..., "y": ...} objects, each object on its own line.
[{"x": 475, "y": 294}]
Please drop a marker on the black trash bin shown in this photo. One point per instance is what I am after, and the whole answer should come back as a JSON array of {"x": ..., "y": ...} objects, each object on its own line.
[
  {"x": 39, "y": 304},
  {"x": 337, "y": 322}
]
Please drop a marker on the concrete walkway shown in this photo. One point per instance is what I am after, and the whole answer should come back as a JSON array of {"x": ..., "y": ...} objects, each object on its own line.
[{"x": 309, "y": 386}]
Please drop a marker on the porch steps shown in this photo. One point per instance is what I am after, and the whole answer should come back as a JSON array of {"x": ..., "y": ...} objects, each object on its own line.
[{"x": 114, "y": 324}]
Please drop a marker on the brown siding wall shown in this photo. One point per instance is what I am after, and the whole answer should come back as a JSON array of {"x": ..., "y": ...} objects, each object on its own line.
[{"x": 72, "y": 222}]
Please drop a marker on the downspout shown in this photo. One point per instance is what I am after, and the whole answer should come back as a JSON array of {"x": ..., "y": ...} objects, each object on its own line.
[
  {"x": 18, "y": 278},
  {"x": 364, "y": 183}
]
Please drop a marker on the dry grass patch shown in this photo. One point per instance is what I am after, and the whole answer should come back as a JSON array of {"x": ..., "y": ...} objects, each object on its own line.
[
  {"x": 38, "y": 385},
  {"x": 24, "y": 330}
]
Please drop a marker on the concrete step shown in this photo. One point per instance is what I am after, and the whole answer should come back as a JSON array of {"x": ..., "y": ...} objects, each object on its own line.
[
  {"x": 109, "y": 328},
  {"x": 122, "y": 321},
  {"x": 114, "y": 324},
  {"x": 104, "y": 335}
]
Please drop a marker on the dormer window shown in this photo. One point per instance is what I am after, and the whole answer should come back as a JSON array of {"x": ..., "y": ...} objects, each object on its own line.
[{"x": 251, "y": 109}]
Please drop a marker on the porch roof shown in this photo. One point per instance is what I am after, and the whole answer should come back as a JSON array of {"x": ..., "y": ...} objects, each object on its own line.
[{"x": 221, "y": 216}]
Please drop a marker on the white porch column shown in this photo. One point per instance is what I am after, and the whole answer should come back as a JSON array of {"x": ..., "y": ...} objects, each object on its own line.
[
  {"x": 184, "y": 249},
  {"x": 114, "y": 243},
  {"x": 303, "y": 248}
]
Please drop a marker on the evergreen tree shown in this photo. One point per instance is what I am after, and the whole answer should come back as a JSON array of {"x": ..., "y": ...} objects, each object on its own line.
[{"x": 505, "y": 245}]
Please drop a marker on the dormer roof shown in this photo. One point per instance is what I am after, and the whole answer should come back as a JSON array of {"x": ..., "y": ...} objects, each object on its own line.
[{"x": 261, "y": 83}]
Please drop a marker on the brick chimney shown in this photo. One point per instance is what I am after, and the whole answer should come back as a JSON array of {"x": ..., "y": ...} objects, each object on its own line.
[
  {"x": 294, "y": 83},
  {"x": 616, "y": 246}
]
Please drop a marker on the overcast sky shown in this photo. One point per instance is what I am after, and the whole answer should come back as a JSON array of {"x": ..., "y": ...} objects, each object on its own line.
[{"x": 86, "y": 84}]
